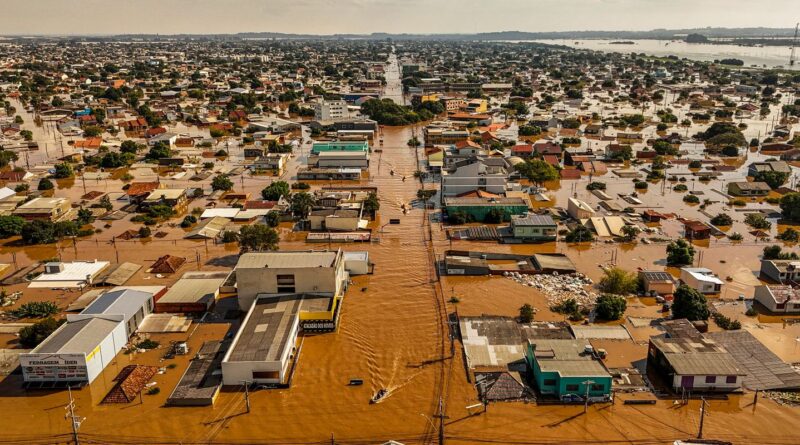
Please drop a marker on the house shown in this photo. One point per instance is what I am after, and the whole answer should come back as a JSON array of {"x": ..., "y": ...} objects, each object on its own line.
[
  {"x": 138, "y": 191},
  {"x": 701, "y": 279},
  {"x": 769, "y": 166},
  {"x": 76, "y": 274},
  {"x": 579, "y": 209},
  {"x": 694, "y": 364},
  {"x": 657, "y": 282},
  {"x": 568, "y": 370},
  {"x": 340, "y": 159},
  {"x": 696, "y": 230},
  {"x": 535, "y": 228},
  {"x": 744, "y": 188},
  {"x": 781, "y": 299},
  {"x": 274, "y": 162},
  {"x": 474, "y": 176},
  {"x": 167, "y": 264},
  {"x": 547, "y": 148},
  {"x": 49, "y": 209},
  {"x": 781, "y": 271},
  {"x": 210, "y": 228},
  {"x": 337, "y": 220},
  {"x": 78, "y": 351},
  {"x": 175, "y": 198},
  {"x": 605, "y": 226},
  {"x": 478, "y": 207},
  {"x": 444, "y": 136}
]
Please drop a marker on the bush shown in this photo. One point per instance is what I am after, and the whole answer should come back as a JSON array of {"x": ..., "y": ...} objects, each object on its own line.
[
  {"x": 566, "y": 307},
  {"x": 300, "y": 186},
  {"x": 738, "y": 203},
  {"x": 691, "y": 199},
  {"x": 153, "y": 391},
  {"x": 10, "y": 225},
  {"x": 722, "y": 219},
  {"x": 35, "y": 309},
  {"x": 680, "y": 253},
  {"x": 31, "y": 336},
  {"x": 789, "y": 235},
  {"x": 579, "y": 234},
  {"x": 618, "y": 281},
  {"x": 640, "y": 185},
  {"x": 790, "y": 206},
  {"x": 45, "y": 184},
  {"x": 776, "y": 253},
  {"x": 229, "y": 236},
  {"x": 596, "y": 185},
  {"x": 695, "y": 164},
  {"x": 757, "y": 221},
  {"x": 735, "y": 236},
  {"x": 680, "y": 188},
  {"x": 147, "y": 344},
  {"x": 725, "y": 322},
  {"x": 188, "y": 220},
  {"x": 526, "y": 313},
  {"x": 144, "y": 232},
  {"x": 610, "y": 307},
  {"x": 459, "y": 217}
]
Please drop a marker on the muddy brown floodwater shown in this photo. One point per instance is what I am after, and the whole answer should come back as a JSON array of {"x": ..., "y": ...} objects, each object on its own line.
[{"x": 392, "y": 334}]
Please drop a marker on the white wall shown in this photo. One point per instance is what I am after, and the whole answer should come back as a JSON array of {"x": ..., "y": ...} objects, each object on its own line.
[{"x": 700, "y": 383}]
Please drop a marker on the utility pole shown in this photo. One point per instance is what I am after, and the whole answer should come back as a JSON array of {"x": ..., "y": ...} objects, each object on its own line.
[
  {"x": 441, "y": 417},
  {"x": 586, "y": 399},
  {"x": 702, "y": 416},
  {"x": 246, "y": 384},
  {"x": 74, "y": 419}
]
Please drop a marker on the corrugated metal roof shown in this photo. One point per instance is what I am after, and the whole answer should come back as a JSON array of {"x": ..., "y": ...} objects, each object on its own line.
[
  {"x": 76, "y": 337},
  {"x": 194, "y": 289},
  {"x": 125, "y": 302},
  {"x": 284, "y": 260}
]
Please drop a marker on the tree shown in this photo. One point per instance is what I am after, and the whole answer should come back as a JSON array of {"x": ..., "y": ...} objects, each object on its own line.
[
  {"x": 31, "y": 336},
  {"x": 301, "y": 204},
  {"x": 85, "y": 216},
  {"x": 790, "y": 206},
  {"x": 722, "y": 219},
  {"x": 258, "y": 237},
  {"x": 144, "y": 232},
  {"x": 664, "y": 148},
  {"x": 776, "y": 253},
  {"x": 690, "y": 304},
  {"x": 680, "y": 253},
  {"x": 38, "y": 232},
  {"x": 6, "y": 157},
  {"x": 276, "y": 191},
  {"x": 610, "y": 307},
  {"x": 579, "y": 234},
  {"x": 128, "y": 147},
  {"x": 537, "y": 171},
  {"x": 221, "y": 182},
  {"x": 273, "y": 219},
  {"x": 757, "y": 221},
  {"x": 772, "y": 178},
  {"x": 526, "y": 313},
  {"x": 63, "y": 170},
  {"x": 789, "y": 235},
  {"x": 114, "y": 160},
  {"x": 10, "y": 225},
  {"x": 629, "y": 233},
  {"x": 618, "y": 281},
  {"x": 158, "y": 151},
  {"x": 45, "y": 184},
  {"x": 372, "y": 204}
]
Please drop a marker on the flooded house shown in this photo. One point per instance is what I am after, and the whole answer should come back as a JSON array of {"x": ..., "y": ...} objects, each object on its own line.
[
  {"x": 701, "y": 279},
  {"x": 48, "y": 209},
  {"x": 778, "y": 299},
  {"x": 694, "y": 364},
  {"x": 568, "y": 370},
  {"x": 744, "y": 188},
  {"x": 781, "y": 271}
]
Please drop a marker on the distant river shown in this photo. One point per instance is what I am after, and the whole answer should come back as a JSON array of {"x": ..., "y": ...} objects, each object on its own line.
[{"x": 769, "y": 56}]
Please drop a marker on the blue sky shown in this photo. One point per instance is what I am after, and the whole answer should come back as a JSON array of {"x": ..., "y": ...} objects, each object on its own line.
[{"x": 365, "y": 16}]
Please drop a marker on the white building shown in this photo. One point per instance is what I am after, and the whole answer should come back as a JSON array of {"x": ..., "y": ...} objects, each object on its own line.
[
  {"x": 69, "y": 275},
  {"x": 474, "y": 176},
  {"x": 330, "y": 110},
  {"x": 79, "y": 350},
  {"x": 778, "y": 298},
  {"x": 579, "y": 209},
  {"x": 701, "y": 279}
]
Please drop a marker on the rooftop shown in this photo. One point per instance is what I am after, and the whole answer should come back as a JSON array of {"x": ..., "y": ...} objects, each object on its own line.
[
  {"x": 266, "y": 330},
  {"x": 567, "y": 358},
  {"x": 697, "y": 356},
  {"x": 287, "y": 259},
  {"x": 77, "y": 337}
]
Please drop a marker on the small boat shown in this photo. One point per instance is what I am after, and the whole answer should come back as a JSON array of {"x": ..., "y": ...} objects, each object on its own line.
[
  {"x": 379, "y": 396},
  {"x": 355, "y": 382}
]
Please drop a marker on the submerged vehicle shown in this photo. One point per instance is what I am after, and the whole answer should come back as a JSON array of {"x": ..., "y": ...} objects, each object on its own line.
[{"x": 379, "y": 396}]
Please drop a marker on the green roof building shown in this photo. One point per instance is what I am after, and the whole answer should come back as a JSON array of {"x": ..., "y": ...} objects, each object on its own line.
[
  {"x": 564, "y": 369},
  {"x": 320, "y": 147},
  {"x": 479, "y": 207}
]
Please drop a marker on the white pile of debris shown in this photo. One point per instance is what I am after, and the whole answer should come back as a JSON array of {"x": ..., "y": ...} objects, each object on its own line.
[{"x": 559, "y": 287}]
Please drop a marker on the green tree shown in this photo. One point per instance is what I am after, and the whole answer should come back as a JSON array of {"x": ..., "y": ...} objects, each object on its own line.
[
  {"x": 610, "y": 307},
  {"x": 537, "y": 171},
  {"x": 629, "y": 233},
  {"x": 301, "y": 204},
  {"x": 526, "y": 313},
  {"x": 6, "y": 157},
  {"x": 31, "y": 336},
  {"x": 372, "y": 204},
  {"x": 276, "y": 191},
  {"x": 273, "y": 219},
  {"x": 579, "y": 234},
  {"x": 680, "y": 253},
  {"x": 158, "y": 151},
  {"x": 722, "y": 219},
  {"x": 772, "y": 178},
  {"x": 144, "y": 232},
  {"x": 757, "y": 221},
  {"x": 789, "y": 235},
  {"x": 221, "y": 182},
  {"x": 258, "y": 237},
  {"x": 45, "y": 184},
  {"x": 129, "y": 147},
  {"x": 618, "y": 281},
  {"x": 689, "y": 304},
  {"x": 776, "y": 253},
  {"x": 85, "y": 216},
  {"x": 63, "y": 170},
  {"x": 790, "y": 206},
  {"x": 10, "y": 225},
  {"x": 38, "y": 232}
]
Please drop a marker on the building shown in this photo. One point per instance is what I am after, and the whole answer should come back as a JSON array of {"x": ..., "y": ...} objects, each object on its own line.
[
  {"x": 769, "y": 166},
  {"x": 701, "y": 279},
  {"x": 694, "y": 364},
  {"x": 781, "y": 271},
  {"x": 289, "y": 272},
  {"x": 330, "y": 110},
  {"x": 744, "y": 188},
  {"x": 340, "y": 159},
  {"x": 568, "y": 370},
  {"x": 78, "y": 351},
  {"x": 273, "y": 162},
  {"x": 778, "y": 298},
  {"x": 579, "y": 209},
  {"x": 334, "y": 146},
  {"x": 77, "y": 274},
  {"x": 657, "y": 282},
  {"x": 477, "y": 207},
  {"x": 696, "y": 230},
  {"x": 47, "y": 209},
  {"x": 474, "y": 176},
  {"x": 444, "y": 136},
  {"x": 337, "y": 220},
  {"x": 195, "y": 292},
  {"x": 531, "y": 227},
  {"x": 175, "y": 198}
]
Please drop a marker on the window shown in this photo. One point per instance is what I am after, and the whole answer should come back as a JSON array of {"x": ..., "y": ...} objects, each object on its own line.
[
  {"x": 572, "y": 387},
  {"x": 598, "y": 387},
  {"x": 273, "y": 375},
  {"x": 549, "y": 382},
  {"x": 730, "y": 379},
  {"x": 285, "y": 284},
  {"x": 711, "y": 379}
]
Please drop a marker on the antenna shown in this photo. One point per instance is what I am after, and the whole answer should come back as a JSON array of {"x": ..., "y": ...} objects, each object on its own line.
[{"x": 794, "y": 44}]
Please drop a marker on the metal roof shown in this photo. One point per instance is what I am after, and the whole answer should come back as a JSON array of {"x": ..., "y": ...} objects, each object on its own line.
[
  {"x": 266, "y": 331},
  {"x": 697, "y": 356},
  {"x": 195, "y": 288},
  {"x": 567, "y": 357},
  {"x": 125, "y": 302},
  {"x": 287, "y": 260},
  {"x": 77, "y": 337},
  {"x": 764, "y": 369},
  {"x": 533, "y": 220}
]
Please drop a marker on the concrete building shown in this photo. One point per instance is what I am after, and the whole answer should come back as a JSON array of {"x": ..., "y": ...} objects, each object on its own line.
[
  {"x": 657, "y": 282},
  {"x": 535, "y": 228},
  {"x": 330, "y": 110},
  {"x": 781, "y": 271},
  {"x": 340, "y": 159},
  {"x": 474, "y": 176},
  {"x": 195, "y": 292},
  {"x": 48, "y": 209},
  {"x": 701, "y": 279},
  {"x": 58, "y": 275},
  {"x": 78, "y": 351},
  {"x": 579, "y": 209},
  {"x": 175, "y": 198},
  {"x": 274, "y": 162},
  {"x": 337, "y": 220},
  {"x": 744, "y": 188},
  {"x": 779, "y": 299},
  {"x": 478, "y": 208},
  {"x": 694, "y": 364},
  {"x": 351, "y": 146},
  {"x": 568, "y": 369}
]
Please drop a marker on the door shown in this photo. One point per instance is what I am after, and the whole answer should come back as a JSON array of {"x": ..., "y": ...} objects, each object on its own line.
[{"x": 687, "y": 381}]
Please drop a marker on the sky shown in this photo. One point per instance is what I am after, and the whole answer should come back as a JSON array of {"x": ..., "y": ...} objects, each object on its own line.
[{"x": 89, "y": 17}]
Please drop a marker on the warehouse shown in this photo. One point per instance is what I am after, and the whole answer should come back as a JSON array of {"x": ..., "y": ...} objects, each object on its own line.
[
  {"x": 78, "y": 351},
  {"x": 195, "y": 292}
]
